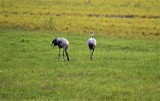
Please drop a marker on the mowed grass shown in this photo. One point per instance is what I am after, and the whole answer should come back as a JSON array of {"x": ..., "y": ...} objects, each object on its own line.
[{"x": 122, "y": 68}]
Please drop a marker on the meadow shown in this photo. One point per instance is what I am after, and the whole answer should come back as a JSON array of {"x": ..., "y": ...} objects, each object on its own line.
[
  {"x": 126, "y": 61},
  {"x": 105, "y": 17},
  {"x": 122, "y": 69}
]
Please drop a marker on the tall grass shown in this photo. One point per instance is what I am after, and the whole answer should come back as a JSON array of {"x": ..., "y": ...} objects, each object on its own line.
[{"x": 83, "y": 16}]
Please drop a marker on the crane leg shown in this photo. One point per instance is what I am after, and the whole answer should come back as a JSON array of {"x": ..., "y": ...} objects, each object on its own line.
[
  {"x": 59, "y": 55},
  {"x": 63, "y": 55},
  {"x": 66, "y": 51}
]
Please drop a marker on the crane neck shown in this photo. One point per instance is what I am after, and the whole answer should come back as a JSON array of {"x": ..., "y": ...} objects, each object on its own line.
[{"x": 92, "y": 35}]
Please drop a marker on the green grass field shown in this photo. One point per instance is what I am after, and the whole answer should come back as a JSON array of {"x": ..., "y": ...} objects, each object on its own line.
[
  {"x": 126, "y": 64},
  {"x": 122, "y": 69}
]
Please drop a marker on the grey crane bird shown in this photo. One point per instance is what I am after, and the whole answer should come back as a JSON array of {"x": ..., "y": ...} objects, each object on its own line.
[
  {"x": 61, "y": 43},
  {"x": 92, "y": 45}
]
